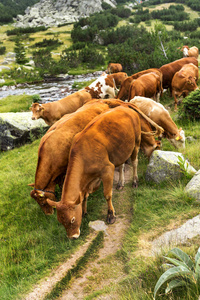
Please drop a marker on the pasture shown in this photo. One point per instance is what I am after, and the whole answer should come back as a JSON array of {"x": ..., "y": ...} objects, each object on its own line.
[{"x": 32, "y": 244}]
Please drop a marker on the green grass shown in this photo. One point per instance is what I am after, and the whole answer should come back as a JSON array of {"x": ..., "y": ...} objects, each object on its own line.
[
  {"x": 16, "y": 103},
  {"x": 31, "y": 242}
]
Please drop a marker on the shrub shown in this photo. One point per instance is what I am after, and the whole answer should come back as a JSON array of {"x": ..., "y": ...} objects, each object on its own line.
[
  {"x": 21, "y": 30},
  {"x": 51, "y": 43},
  {"x": 190, "y": 106},
  {"x": 2, "y": 50}
]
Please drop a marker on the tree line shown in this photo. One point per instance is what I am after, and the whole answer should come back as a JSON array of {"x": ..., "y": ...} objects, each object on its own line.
[{"x": 9, "y": 9}]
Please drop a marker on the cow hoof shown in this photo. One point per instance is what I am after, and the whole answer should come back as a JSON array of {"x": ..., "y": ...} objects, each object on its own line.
[
  {"x": 119, "y": 187},
  {"x": 135, "y": 185},
  {"x": 110, "y": 217}
]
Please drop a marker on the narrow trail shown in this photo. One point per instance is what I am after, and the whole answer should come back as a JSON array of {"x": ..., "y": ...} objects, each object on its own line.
[
  {"x": 78, "y": 287},
  {"x": 102, "y": 274}
]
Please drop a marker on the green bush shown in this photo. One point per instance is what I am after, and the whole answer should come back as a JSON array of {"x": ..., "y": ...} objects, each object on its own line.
[
  {"x": 2, "y": 50},
  {"x": 51, "y": 43},
  {"x": 190, "y": 106}
]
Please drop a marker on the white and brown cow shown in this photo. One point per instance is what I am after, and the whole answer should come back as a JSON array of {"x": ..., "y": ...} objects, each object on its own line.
[
  {"x": 102, "y": 88},
  {"x": 95, "y": 153},
  {"x": 161, "y": 116},
  {"x": 190, "y": 52}
]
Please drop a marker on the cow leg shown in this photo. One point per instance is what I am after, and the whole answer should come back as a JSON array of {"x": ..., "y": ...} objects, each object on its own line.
[
  {"x": 107, "y": 178},
  {"x": 84, "y": 205},
  {"x": 121, "y": 181},
  {"x": 134, "y": 159},
  {"x": 175, "y": 100}
]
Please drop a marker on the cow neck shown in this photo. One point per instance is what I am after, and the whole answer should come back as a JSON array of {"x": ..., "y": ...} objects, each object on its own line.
[{"x": 73, "y": 181}]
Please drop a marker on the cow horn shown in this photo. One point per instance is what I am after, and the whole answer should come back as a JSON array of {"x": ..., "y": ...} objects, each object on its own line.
[
  {"x": 52, "y": 203},
  {"x": 31, "y": 184}
]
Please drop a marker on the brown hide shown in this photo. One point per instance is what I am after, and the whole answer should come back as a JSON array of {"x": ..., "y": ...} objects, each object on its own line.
[
  {"x": 118, "y": 78},
  {"x": 114, "y": 68},
  {"x": 96, "y": 158},
  {"x": 191, "y": 52},
  {"x": 161, "y": 116},
  {"x": 170, "y": 69},
  {"x": 147, "y": 85},
  {"x": 124, "y": 90},
  {"x": 184, "y": 81},
  {"x": 54, "y": 151},
  {"x": 53, "y": 111},
  {"x": 53, "y": 159}
]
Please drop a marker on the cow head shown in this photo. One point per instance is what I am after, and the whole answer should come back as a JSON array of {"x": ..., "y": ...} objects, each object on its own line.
[
  {"x": 190, "y": 84},
  {"x": 185, "y": 51},
  {"x": 70, "y": 216},
  {"x": 41, "y": 198},
  {"x": 178, "y": 139},
  {"x": 37, "y": 110}
]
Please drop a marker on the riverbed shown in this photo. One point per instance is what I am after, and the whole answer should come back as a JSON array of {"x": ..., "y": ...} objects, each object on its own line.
[{"x": 49, "y": 90}]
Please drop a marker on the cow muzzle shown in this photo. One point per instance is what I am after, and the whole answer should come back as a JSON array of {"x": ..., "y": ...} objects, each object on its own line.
[{"x": 75, "y": 236}]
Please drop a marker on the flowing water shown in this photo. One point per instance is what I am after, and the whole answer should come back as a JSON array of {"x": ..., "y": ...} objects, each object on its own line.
[{"x": 48, "y": 91}]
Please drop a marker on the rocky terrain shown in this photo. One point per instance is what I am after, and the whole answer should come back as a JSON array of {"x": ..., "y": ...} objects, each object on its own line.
[{"x": 53, "y": 13}]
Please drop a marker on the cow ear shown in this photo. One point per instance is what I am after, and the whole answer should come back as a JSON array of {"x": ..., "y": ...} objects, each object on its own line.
[
  {"x": 80, "y": 199},
  {"x": 31, "y": 184},
  {"x": 52, "y": 203}
]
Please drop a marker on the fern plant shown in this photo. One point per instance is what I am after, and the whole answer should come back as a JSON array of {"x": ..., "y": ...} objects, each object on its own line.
[{"x": 182, "y": 272}]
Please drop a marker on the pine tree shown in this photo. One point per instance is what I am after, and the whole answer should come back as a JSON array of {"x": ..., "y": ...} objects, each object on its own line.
[{"x": 20, "y": 51}]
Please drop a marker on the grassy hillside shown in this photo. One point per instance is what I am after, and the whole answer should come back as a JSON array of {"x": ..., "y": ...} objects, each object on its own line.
[{"x": 32, "y": 244}]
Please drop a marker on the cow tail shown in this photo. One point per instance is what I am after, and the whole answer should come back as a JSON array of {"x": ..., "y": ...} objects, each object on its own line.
[{"x": 159, "y": 129}]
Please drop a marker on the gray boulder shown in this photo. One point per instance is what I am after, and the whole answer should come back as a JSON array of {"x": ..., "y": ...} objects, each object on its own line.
[
  {"x": 17, "y": 129},
  {"x": 56, "y": 12},
  {"x": 193, "y": 187},
  {"x": 164, "y": 165}
]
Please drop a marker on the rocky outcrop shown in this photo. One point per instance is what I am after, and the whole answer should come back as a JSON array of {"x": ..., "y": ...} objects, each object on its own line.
[
  {"x": 165, "y": 165},
  {"x": 53, "y": 13},
  {"x": 16, "y": 129},
  {"x": 193, "y": 187}
]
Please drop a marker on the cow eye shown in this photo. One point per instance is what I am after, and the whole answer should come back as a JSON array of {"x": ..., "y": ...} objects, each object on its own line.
[{"x": 73, "y": 220}]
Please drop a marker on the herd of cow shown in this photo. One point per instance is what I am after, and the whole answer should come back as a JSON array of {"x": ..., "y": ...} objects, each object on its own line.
[{"x": 90, "y": 135}]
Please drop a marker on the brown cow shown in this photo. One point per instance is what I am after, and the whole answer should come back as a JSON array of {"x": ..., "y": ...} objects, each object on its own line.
[
  {"x": 102, "y": 87},
  {"x": 170, "y": 69},
  {"x": 184, "y": 81},
  {"x": 190, "y": 52},
  {"x": 161, "y": 116},
  {"x": 114, "y": 68},
  {"x": 95, "y": 153},
  {"x": 124, "y": 90},
  {"x": 53, "y": 159},
  {"x": 118, "y": 78},
  {"x": 147, "y": 85},
  {"x": 53, "y": 111}
]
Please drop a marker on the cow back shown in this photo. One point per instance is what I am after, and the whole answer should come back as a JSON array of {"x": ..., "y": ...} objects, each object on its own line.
[{"x": 170, "y": 69}]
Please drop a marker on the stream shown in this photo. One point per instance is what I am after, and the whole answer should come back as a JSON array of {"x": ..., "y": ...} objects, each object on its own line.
[{"x": 49, "y": 90}]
